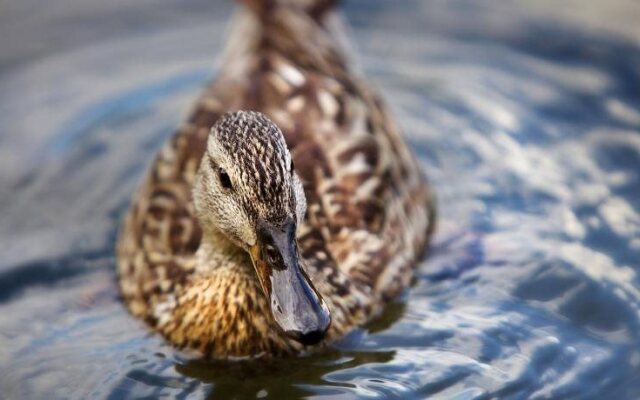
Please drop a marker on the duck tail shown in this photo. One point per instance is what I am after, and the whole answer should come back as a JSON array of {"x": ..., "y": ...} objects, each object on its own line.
[{"x": 314, "y": 8}]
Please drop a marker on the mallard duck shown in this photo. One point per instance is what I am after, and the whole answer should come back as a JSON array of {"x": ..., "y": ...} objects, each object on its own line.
[{"x": 286, "y": 211}]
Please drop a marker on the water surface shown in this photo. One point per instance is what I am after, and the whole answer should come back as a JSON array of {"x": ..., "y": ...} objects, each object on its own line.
[{"x": 526, "y": 117}]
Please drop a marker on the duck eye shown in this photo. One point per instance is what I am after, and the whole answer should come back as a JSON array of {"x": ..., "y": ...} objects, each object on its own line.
[{"x": 224, "y": 179}]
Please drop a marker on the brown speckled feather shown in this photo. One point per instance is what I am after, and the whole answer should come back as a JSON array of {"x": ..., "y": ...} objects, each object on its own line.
[{"x": 369, "y": 210}]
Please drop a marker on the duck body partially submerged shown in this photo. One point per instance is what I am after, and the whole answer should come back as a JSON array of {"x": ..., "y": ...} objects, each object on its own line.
[{"x": 271, "y": 230}]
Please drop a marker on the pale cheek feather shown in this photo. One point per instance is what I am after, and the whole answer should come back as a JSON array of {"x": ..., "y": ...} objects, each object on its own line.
[{"x": 301, "y": 200}]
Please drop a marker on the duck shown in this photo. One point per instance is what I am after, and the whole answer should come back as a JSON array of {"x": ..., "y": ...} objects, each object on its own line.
[{"x": 287, "y": 210}]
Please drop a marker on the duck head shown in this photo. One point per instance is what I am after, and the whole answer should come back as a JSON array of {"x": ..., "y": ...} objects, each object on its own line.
[{"x": 246, "y": 189}]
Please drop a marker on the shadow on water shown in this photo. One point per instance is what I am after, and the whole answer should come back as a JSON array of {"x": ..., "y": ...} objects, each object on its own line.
[{"x": 279, "y": 379}]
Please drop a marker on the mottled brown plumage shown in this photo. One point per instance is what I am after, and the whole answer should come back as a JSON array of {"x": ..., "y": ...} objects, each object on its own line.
[{"x": 183, "y": 252}]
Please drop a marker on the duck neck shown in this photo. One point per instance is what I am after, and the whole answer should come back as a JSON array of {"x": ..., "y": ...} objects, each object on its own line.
[{"x": 217, "y": 251}]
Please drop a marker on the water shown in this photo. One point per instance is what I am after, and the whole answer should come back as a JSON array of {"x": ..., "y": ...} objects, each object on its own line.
[{"x": 525, "y": 114}]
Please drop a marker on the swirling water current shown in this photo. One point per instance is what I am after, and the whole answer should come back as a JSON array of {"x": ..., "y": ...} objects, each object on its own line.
[{"x": 525, "y": 115}]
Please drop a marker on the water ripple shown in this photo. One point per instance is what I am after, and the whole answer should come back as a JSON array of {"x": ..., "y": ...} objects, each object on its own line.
[{"x": 525, "y": 118}]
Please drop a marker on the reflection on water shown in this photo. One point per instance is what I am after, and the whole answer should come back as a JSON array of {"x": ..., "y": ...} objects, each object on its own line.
[{"x": 526, "y": 117}]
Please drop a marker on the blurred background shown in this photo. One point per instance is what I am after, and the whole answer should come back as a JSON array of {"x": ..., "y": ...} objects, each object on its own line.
[{"x": 524, "y": 114}]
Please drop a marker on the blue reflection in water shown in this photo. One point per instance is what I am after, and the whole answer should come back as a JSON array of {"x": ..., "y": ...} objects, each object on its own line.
[
  {"x": 129, "y": 105},
  {"x": 526, "y": 118}
]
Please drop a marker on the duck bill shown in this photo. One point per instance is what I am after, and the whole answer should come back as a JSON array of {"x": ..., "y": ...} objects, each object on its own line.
[{"x": 296, "y": 306}]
